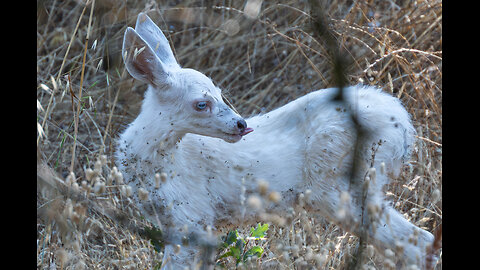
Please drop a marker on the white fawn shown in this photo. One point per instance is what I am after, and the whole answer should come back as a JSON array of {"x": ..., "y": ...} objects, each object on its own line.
[{"x": 187, "y": 132}]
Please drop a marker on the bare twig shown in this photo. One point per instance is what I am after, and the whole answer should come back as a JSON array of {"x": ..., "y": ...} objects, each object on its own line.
[{"x": 339, "y": 66}]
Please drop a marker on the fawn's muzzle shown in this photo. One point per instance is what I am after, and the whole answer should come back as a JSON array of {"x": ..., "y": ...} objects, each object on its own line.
[{"x": 242, "y": 127}]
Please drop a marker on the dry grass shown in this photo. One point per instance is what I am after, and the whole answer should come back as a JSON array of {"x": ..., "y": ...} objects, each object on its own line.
[{"x": 85, "y": 98}]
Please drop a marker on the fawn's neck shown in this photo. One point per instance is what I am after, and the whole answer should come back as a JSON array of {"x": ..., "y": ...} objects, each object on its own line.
[{"x": 153, "y": 132}]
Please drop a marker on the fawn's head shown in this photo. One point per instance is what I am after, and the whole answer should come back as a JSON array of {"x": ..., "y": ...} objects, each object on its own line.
[{"x": 186, "y": 96}]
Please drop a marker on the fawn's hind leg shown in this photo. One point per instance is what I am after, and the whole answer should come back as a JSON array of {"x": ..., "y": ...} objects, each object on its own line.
[
  {"x": 391, "y": 230},
  {"x": 386, "y": 228}
]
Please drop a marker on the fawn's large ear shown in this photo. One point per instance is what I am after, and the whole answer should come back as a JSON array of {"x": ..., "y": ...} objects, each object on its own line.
[
  {"x": 141, "y": 61},
  {"x": 154, "y": 37}
]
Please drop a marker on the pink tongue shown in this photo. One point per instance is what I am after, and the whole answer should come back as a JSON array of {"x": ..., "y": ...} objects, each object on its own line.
[{"x": 246, "y": 131}]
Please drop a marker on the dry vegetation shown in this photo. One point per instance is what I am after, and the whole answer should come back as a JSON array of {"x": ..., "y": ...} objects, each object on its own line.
[{"x": 85, "y": 219}]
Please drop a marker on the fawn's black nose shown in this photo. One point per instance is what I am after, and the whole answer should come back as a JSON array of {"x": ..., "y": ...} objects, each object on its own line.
[{"x": 241, "y": 125}]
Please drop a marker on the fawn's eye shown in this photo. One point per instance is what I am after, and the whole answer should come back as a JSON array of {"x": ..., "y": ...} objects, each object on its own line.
[{"x": 200, "y": 106}]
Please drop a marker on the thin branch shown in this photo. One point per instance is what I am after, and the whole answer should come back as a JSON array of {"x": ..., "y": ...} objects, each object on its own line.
[{"x": 323, "y": 32}]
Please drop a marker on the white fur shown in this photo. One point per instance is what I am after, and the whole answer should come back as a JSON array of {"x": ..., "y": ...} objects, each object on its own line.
[{"x": 306, "y": 144}]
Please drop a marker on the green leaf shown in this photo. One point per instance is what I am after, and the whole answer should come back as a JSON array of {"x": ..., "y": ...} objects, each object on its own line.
[
  {"x": 231, "y": 237},
  {"x": 236, "y": 253},
  {"x": 254, "y": 251},
  {"x": 226, "y": 254},
  {"x": 260, "y": 231},
  {"x": 240, "y": 244},
  {"x": 156, "y": 237}
]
